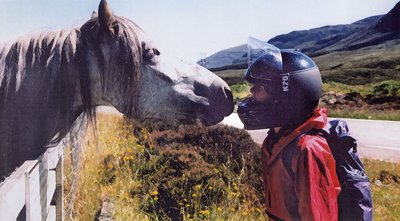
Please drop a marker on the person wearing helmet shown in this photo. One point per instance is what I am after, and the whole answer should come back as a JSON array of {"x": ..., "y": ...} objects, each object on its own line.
[{"x": 299, "y": 175}]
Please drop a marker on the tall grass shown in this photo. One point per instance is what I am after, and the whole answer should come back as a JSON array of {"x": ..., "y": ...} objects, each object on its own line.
[
  {"x": 385, "y": 179},
  {"x": 98, "y": 166}
]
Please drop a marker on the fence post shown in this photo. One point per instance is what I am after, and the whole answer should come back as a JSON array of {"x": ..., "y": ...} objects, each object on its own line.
[
  {"x": 12, "y": 192},
  {"x": 60, "y": 189}
]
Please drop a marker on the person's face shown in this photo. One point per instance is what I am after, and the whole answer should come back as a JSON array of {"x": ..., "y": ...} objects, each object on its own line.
[{"x": 259, "y": 93}]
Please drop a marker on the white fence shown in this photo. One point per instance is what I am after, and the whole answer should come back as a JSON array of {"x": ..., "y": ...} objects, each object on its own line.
[{"x": 34, "y": 192}]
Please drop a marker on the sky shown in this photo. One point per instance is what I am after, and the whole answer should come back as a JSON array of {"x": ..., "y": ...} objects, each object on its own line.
[{"x": 191, "y": 29}]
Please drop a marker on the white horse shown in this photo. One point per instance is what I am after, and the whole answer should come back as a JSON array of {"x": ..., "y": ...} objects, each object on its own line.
[{"x": 48, "y": 80}]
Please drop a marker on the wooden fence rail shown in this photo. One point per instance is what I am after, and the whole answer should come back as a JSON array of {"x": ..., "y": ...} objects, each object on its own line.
[{"x": 34, "y": 192}]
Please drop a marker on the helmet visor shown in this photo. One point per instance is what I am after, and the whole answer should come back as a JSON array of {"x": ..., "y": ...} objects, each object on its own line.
[{"x": 264, "y": 60}]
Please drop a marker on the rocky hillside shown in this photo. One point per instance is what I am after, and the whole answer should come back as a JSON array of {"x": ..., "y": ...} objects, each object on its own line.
[{"x": 376, "y": 32}]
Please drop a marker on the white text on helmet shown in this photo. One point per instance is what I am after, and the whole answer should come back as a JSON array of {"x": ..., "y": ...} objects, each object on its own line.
[{"x": 285, "y": 82}]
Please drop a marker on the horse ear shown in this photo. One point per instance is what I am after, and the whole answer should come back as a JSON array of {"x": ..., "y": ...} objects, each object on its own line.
[
  {"x": 106, "y": 17},
  {"x": 94, "y": 15}
]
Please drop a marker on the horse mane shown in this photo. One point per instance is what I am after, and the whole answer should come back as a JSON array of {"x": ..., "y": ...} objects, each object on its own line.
[
  {"x": 127, "y": 62},
  {"x": 57, "y": 64}
]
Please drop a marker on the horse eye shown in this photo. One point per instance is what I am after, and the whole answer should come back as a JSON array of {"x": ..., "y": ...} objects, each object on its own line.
[{"x": 148, "y": 54}]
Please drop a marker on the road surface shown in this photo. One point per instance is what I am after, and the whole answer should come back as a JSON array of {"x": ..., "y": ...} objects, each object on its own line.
[{"x": 376, "y": 139}]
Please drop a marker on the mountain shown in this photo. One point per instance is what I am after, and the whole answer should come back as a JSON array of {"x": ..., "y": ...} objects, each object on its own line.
[
  {"x": 325, "y": 39},
  {"x": 232, "y": 58},
  {"x": 381, "y": 31},
  {"x": 391, "y": 21}
]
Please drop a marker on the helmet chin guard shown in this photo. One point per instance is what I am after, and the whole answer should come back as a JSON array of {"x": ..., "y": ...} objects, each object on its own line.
[
  {"x": 293, "y": 84},
  {"x": 257, "y": 116}
]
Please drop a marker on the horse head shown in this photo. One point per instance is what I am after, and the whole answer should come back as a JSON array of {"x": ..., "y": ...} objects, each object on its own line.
[{"x": 128, "y": 72}]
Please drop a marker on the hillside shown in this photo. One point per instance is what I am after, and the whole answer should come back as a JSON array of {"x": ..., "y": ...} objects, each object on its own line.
[
  {"x": 381, "y": 32},
  {"x": 363, "y": 66},
  {"x": 232, "y": 58},
  {"x": 320, "y": 40}
]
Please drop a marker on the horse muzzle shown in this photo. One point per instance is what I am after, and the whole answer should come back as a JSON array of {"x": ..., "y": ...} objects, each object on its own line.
[{"x": 220, "y": 101}]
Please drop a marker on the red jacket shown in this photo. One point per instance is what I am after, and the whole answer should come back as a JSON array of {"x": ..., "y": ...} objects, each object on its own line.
[{"x": 300, "y": 181}]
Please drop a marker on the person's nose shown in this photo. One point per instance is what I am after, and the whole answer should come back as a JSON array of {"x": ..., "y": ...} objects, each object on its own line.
[{"x": 254, "y": 90}]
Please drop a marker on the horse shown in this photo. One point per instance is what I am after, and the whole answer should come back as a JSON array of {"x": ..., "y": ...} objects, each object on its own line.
[{"x": 48, "y": 79}]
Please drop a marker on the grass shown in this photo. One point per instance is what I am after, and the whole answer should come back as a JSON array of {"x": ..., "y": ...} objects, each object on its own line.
[
  {"x": 232, "y": 77},
  {"x": 360, "y": 113},
  {"x": 144, "y": 171},
  {"x": 376, "y": 94},
  {"x": 385, "y": 179},
  {"x": 360, "y": 66},
  {"x": 93, "y": 173},
  {"x": 240, "y": 91}
]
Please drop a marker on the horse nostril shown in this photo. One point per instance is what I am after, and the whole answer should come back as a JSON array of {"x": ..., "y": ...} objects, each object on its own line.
[
  {"x": 226, "y": 104},
  {"x": 228, "y": 94}
]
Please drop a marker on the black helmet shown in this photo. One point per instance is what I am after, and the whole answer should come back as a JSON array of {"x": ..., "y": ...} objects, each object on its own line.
[{"x": 294, "y": 86}]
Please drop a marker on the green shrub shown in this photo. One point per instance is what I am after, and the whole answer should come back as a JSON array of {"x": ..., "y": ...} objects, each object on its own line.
[
  {"x": 240, "y": 88},
  {"x": 386, "y": 91},
  {"x": 240, "y": 91}
]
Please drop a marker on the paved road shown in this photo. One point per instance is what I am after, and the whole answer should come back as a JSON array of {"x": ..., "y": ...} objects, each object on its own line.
[{"x": 376, "y": 139}]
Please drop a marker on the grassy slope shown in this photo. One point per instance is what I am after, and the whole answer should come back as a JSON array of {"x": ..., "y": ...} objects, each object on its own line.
[{"x": 360, "y": 67}]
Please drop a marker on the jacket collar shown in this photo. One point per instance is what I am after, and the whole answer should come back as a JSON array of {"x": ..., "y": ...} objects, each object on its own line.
[{"x": 317, "y": 121}]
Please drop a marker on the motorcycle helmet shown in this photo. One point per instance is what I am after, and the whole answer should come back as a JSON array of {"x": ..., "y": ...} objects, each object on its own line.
[{"x": 293, "y": 83}]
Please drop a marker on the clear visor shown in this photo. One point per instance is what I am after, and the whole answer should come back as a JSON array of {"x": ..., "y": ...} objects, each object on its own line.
[
  {"x": 263, "y": 58},
  {"x": 256, "y": 48}
]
